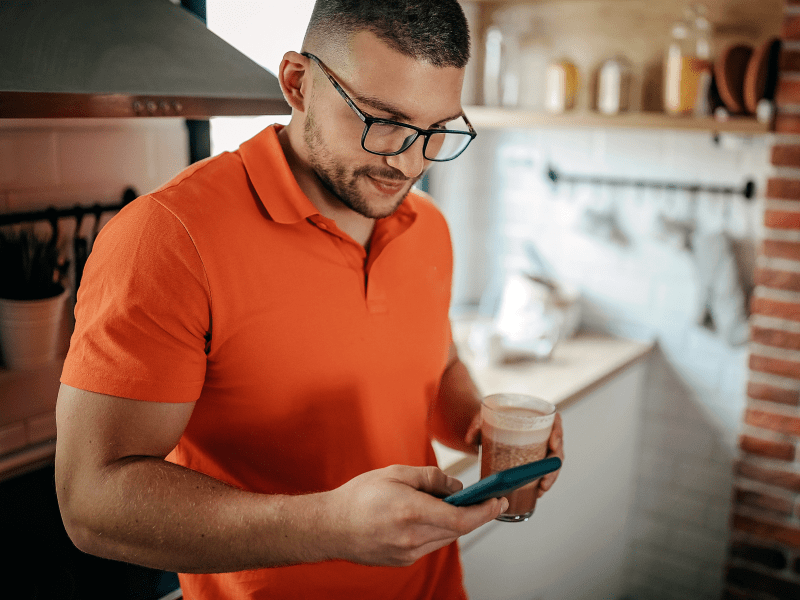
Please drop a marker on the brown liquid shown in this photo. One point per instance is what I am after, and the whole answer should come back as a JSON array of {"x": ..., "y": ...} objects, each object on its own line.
[{"x": 497, "y": 456}]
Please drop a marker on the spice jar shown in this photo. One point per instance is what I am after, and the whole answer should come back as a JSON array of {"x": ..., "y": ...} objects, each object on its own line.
[
  {"x": 561, "y": 86},
  {"x": 614, "y": 87}
]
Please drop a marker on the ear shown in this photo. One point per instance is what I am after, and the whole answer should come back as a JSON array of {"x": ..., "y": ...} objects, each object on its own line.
[{"x": 295, "y": 79}]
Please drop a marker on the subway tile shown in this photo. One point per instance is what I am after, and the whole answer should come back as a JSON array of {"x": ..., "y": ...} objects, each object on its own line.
[
  {"x": 29, "y": 160},
  {"x": 668, "y": 502},
  {"x": 112, "y": 156},
  {"x": 700, "y": 544},
  {"x": 703, "y": 478},
  {"x": 651, "y": 528},
  {"x": 718, "y": 515}
]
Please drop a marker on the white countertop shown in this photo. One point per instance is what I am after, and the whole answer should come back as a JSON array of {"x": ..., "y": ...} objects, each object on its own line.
[{"x": 578, "y": 366}]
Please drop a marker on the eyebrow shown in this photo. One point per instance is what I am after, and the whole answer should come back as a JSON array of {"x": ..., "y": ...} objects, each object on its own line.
[{"x": 395, "y": 112}]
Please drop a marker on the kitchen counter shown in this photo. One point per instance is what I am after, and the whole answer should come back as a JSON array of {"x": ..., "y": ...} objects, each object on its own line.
[{"x": 578, "y": 366}]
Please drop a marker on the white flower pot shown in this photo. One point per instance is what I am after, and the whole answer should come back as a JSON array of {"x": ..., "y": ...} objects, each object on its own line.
[{"x": 29, "y": 331}]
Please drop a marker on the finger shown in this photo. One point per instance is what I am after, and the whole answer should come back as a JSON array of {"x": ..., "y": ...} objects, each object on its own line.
[
  {"x": 474, "y": 516},
  {"x": 556, "y": 441},
  {"x": 431, "y": 480},
  {"x": 473, "y": 435}
]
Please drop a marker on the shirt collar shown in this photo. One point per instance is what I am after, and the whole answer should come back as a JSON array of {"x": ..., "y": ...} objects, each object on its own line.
[{"x": 273, "y": 180}]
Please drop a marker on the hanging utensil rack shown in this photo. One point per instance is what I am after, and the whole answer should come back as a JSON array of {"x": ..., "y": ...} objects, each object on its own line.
[
  {"x": 53, "y": 214},
  {"x": 748, "y": 191}
]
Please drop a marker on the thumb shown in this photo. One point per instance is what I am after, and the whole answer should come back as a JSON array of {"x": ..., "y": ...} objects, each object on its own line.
[{"x": 431, "y": 480}]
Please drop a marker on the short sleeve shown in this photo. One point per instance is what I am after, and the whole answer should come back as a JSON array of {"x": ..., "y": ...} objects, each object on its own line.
[{"x": 143, "y": 314}]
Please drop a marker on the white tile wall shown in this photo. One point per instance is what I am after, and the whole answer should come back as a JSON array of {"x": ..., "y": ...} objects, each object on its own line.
[
  {"x": 59, "y": 162},
  {"x": 62, "y": 163},
  {"x": 642, "y": 282}
]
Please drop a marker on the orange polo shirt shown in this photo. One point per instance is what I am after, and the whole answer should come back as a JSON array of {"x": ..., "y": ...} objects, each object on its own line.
[{"x": 311, "y": 361}]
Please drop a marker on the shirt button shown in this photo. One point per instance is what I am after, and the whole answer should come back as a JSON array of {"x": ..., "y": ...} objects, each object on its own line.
[{"x": 322, "y": 225}]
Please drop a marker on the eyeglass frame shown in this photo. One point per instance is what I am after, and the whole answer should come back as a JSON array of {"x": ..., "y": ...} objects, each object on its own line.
[{"x": 369, "y": 120}]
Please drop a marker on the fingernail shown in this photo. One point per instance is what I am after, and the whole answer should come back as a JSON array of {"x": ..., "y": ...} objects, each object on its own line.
[{"x": 503, "y": 505}]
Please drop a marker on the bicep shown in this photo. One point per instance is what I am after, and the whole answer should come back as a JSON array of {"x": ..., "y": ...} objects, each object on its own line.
[{"x": 96, "y": 430}]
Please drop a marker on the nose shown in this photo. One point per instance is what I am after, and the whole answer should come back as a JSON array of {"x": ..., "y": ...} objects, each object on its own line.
[{"x": 411, "y": 162}]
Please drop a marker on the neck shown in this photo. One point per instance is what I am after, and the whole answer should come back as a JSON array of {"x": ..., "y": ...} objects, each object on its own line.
[{"x": 352, "y": 223}]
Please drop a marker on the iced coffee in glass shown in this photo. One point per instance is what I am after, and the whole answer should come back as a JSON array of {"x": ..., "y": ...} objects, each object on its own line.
[{"x": 515, "y": 429}]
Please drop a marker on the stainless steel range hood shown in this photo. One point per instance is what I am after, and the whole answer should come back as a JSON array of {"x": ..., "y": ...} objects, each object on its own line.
[{"x": 123, "y": 58}]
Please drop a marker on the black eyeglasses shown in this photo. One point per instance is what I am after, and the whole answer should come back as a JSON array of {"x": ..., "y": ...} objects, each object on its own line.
[{"x": 389, "y": 138}]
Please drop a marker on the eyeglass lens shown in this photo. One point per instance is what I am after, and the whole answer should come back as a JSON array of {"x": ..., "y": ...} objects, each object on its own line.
[{"x": 386, "y": 138}]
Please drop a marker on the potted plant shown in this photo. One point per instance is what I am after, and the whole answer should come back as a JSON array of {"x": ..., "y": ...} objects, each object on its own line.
[{"x": 32, "y": 295}]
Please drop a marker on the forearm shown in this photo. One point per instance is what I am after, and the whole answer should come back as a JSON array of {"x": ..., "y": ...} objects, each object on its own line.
[
  {"x": 457, "y": 403},
  {"x": 157, "y": 514}
]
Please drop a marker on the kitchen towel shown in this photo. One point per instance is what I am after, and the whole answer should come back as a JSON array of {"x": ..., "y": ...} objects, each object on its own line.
[{"x": 722, "y": 302}]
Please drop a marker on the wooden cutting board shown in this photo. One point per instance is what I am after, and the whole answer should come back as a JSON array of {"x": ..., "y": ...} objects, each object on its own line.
[
  {"x": 761, "y": 75},
  {"x": 730, "y": 70}
]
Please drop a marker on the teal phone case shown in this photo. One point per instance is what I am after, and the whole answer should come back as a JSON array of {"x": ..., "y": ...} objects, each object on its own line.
[{"x": 500, "y": 484}]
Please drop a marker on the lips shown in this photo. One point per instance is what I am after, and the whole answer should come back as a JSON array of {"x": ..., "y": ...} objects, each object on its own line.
[{"x": 389, "y": 187}]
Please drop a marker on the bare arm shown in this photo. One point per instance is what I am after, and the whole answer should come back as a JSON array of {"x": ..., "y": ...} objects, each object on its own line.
[
  {"x": 457, "y": 407},
  {"x": 120, "y": 499}
]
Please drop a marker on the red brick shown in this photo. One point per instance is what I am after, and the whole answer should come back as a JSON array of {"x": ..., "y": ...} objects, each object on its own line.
[
  {"x": 775, "y": 338},
  {"x": 775, "y": 422},
  {"x": 770, "y": 393},
  {"x": 790, "y": 29},
  {"x": 781, "y": 219},
  {"x": 768, "y": 530},
  {"x": 781, "y": 280},
  {"x": 787, "y": 92},
  {"x": 783, "y": 188},
  {"x": 780, "y": 506},
  {"x": 782, "y": 479},
  {"x": 781, "y": 249},
  {"x": 787, "y": 123},
  {"x": 786, "y": 155},
  {"x": 789, "y": 61},
  {"x": 775, "y": 366},
  {"x": 775, "y": 308},
  {"x": 768, "y": 448},
  {"x": 765, "y": 585},
  {"x": 773, "y": 558}
]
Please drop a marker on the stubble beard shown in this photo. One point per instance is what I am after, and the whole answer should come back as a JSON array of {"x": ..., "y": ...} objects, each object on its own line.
[{"x": 343, "y": 185}]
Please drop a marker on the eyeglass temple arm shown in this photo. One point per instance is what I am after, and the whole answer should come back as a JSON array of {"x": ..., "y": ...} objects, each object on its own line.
[{"x": 335, "y": 84}]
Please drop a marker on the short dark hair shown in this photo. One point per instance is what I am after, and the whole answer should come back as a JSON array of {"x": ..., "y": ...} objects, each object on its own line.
[{"x": 434, "y": 31}]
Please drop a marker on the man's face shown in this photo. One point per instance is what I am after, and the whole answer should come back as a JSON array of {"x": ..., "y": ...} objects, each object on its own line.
[{"x": 384, "y": 84}]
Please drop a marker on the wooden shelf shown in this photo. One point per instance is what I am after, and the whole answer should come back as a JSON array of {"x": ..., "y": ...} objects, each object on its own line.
[{"x": 496, "y": 118}]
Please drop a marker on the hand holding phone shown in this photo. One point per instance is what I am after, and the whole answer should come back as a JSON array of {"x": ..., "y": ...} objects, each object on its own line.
[{"x": 501, "y": 483}]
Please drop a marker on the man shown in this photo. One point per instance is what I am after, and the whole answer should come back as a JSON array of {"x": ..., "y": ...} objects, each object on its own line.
[{"x": 262, "y": 349}]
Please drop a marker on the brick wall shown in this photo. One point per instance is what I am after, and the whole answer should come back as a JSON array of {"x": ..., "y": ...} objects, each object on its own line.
[{"x": 764, "y": 552}]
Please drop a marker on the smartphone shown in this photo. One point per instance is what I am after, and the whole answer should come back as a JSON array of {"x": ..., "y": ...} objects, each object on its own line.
[{"x": 503, "y": 482}]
